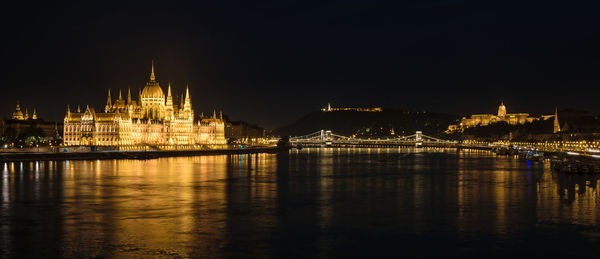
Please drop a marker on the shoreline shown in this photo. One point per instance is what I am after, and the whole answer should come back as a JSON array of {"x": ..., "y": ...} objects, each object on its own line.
[{"x": 150, "y": 154}]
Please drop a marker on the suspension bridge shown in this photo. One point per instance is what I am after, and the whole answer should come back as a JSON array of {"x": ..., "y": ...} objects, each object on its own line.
[{"x": 328, "y": 138}]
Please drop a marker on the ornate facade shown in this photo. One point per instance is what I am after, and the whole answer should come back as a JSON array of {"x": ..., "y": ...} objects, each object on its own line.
[{"x": 153, "y": 119}]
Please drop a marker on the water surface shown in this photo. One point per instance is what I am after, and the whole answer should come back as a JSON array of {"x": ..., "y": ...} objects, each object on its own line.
[{"x": 309, "y": 203}]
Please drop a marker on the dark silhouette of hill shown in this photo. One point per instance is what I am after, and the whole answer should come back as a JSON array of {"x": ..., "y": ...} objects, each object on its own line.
[
  {"x": 370, "y": 124},
  {"x": 576, "y": 121}
]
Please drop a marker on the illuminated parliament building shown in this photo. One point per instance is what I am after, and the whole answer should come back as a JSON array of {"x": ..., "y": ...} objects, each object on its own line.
[{"x": 153, "y": 119}]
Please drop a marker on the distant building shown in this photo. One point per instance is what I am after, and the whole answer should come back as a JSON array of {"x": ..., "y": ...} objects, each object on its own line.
[
  {"x": 152, "y": 120},
  {"x": 369, "y": 109},
  {"x": 477, "y": 120},
  {"x": 240, "y": 129},
  {"x": 20, "y": 126}
]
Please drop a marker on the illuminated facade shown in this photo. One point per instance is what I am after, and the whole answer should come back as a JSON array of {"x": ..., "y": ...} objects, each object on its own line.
[
  {"x": 487, "y": 119},
  {"x": 152, "y": 120}
]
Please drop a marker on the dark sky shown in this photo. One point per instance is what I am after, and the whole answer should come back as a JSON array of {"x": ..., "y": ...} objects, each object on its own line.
[{"x": 270, "y": 62}]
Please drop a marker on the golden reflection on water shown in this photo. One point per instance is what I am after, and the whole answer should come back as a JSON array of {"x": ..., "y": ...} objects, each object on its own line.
[
  {"x": 203, "y": 206},
  {"x": 162, "y": 207},
  {"x": 170, "y": 206},
  {"x": 145, "y": 207}
]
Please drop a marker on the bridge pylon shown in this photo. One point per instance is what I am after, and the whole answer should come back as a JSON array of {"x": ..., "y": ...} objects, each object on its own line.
[{"x": 418, "y": 138}]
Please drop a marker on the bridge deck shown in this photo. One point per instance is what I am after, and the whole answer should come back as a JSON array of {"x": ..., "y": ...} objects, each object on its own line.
[{"x": 327, "y": 137}]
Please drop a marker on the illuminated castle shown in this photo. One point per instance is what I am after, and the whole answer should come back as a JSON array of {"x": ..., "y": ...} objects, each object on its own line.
[
  {"x": 152, "y": 120},
  {"x": 487, "y": 119}
]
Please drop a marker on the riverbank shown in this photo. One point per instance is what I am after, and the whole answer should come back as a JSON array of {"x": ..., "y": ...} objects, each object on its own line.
[{"x": 138, "y": 154}]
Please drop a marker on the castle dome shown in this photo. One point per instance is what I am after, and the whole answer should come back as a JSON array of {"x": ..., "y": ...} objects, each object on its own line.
[{"x": 501, "y": 110}]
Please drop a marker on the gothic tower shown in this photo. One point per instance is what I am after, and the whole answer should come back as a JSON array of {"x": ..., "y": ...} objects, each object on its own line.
[
  {"x": 187, "y": 105},
  {"x": 556, "y": 124},
  {"x": 108, "y": 103},
  {"x": 169, "y": 105}
]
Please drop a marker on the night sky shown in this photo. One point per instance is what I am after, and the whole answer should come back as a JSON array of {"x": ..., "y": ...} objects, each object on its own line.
[{"x": 271, "y": 62}]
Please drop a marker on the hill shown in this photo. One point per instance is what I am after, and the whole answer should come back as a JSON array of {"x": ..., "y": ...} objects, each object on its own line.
[{"x": 370, "y": 124}]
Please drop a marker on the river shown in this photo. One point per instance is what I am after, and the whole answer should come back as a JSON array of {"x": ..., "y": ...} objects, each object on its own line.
[{"x": 309, "y": 203}]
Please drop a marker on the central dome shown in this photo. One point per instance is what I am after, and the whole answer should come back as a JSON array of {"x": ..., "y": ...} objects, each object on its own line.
[{"x": 152, "y": 90}]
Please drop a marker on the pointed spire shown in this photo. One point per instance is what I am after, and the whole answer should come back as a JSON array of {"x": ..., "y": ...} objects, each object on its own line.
[
  {"x": 129, "y": 95},
  {"x": 34, "y": 114},
  {"x": 169, "y": 101},
  {"x": 221, "y": 115},
  {"x": 152, "y": 77},
  {"x": 120, "y": 96},
  {"x": 108, "y": 101},
  {"x": 68, "y": 109},
  {"x": 556, "y": 123},
  {"x": 188, "y": 101},
  {"x": 78, "y": 109},
  {"x": 214, "y": 114}
]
